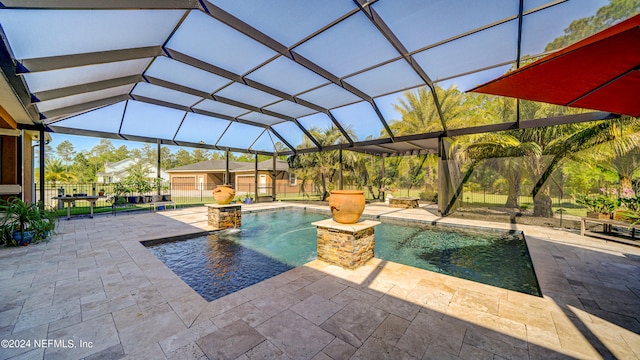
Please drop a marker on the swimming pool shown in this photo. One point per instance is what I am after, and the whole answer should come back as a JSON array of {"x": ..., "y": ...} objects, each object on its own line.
[{"x": 273, "y": 242}]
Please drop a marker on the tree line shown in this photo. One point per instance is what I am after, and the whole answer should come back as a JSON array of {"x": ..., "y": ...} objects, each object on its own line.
[
  {"x": 574, "y": 158},
  {"x": 570, "y": 159},
  {"x": 65, "y": 164}
]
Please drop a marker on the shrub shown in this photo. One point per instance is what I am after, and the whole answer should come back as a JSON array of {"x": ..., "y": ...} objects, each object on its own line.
[{"x": 599, "y": 204}]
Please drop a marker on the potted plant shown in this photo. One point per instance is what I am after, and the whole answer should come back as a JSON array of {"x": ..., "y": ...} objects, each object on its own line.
[
  {"x": 628, "y": 205},
  {"x": 24, "y": 222},
  {"x": 599, "y": 207},
  {"x": 162, "y": 187},
  {"x": 142, "y": 186},
  {"x": 101, "y": 192},
  {"x": 46, "y": 227},
  {"x": 119, "y": 191}
]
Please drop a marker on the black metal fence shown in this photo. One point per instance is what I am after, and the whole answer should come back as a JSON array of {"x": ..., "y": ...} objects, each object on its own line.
[
  {"x": 182, "y": 194},
  {"x": 474, "y": 195}
]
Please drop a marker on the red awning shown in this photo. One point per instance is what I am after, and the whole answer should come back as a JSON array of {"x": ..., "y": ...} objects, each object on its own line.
[{"x": 601, "y": 72}]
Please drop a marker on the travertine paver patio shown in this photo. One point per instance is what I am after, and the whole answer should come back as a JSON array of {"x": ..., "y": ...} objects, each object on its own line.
[{"x": 96, "y": 283}]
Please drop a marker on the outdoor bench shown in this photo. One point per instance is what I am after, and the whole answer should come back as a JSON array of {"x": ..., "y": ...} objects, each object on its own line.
[
  {"x": 156, "y": 204},
  {"x": 152, "y": 205},
  {"x": 607, "y": 229}
]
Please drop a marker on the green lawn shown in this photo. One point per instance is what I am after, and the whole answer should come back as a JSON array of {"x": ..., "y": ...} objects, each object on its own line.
[{"x": 469, "y": 199}]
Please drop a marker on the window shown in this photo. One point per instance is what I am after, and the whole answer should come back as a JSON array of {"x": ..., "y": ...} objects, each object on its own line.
[{"x": 293, "y": 180}]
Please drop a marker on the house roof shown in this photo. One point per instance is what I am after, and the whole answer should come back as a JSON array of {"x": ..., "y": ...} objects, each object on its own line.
[
  {"x": 119, "y": 162},
  {"x": 234, "y": 166}
]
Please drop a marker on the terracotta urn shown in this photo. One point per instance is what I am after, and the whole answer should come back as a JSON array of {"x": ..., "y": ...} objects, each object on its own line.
[
  {"x": 224, "y": 194},
  {"x": 346, "y": 205}
]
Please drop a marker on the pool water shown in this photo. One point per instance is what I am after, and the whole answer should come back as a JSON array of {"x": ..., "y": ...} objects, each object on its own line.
[
  {"x": 270, "y": 243},
  {"x": 492, "y": 257}
]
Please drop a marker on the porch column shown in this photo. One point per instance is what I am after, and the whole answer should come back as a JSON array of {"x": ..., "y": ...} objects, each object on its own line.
[
  {"x": 20, "y": 163},
  {"x": 42, "y": 182}
]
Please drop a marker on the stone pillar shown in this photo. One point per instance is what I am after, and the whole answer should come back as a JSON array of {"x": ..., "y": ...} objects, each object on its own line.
[
  {"x": 346, "y": 245},
  {"x": 222, "y": 217}
]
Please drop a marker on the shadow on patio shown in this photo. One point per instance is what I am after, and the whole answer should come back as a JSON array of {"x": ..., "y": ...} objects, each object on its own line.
[{"x": 87, "y": 286}]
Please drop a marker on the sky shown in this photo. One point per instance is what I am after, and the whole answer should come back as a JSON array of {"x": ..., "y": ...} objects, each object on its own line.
[
  {"x": 85, "y": 143},
  {"x": 406, "y": 20}
]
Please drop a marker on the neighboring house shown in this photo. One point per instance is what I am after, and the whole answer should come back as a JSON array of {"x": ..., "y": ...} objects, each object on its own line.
[
  {"x": 117, "y": 171},
  {"x": 205, "y": 175}
]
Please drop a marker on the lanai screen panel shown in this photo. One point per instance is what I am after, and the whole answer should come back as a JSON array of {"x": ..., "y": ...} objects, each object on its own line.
[
  {"x": 231, "y": 50},
  {"x": 475, "y": 52},
  {"x": 291, "y": 109},
  {"x": 185, "y": 75},
  {"x": 386, "y": 79},
  {"x": 361, "y": 121},
  {"x": 287, "y": 21},
  {"x": 335, "y": 68},
  {"x": 240, "y": 136},
  {"x": 107, "y": 119},
  {"x": 397, "y": 109},
  {"x": 148, "y": 120},
  {"x": 247, "y": 95},
  {"x": 279, "y": 72},
  {"x": 164, "y": 94},
  {"x": 196, "y": 128},
  {"x": 65, "y": 102},
  {"x": 330, "y": 96},
  {"x": 74, "y": 76},
  {"x": 320, "y": 123},
  {"x": 440, "y": 21},
  {"x": 261, "y": 118},
  {"x": 361, "y": 47},
  {"x": 265, "y": 143},
  {"x": 217, "y": 107},
  {"x": 62, "y": 32},
  {"x": 292, "y": 134}
]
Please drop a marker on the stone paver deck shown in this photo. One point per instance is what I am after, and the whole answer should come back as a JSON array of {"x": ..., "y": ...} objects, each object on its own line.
[{"x": 96, "y": 285}]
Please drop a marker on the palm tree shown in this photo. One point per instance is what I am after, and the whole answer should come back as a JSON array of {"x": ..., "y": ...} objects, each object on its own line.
[
  {"x": 560, "y": 142},
  {"x": 322, "y": 166},
  {"x": 419, "y": 113},
  {"x": 543, "y": 149},
  {"x": 503, "y": 152},
  {"x": 55, "y": 171},
  {"x": 620, "y": 156}
]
